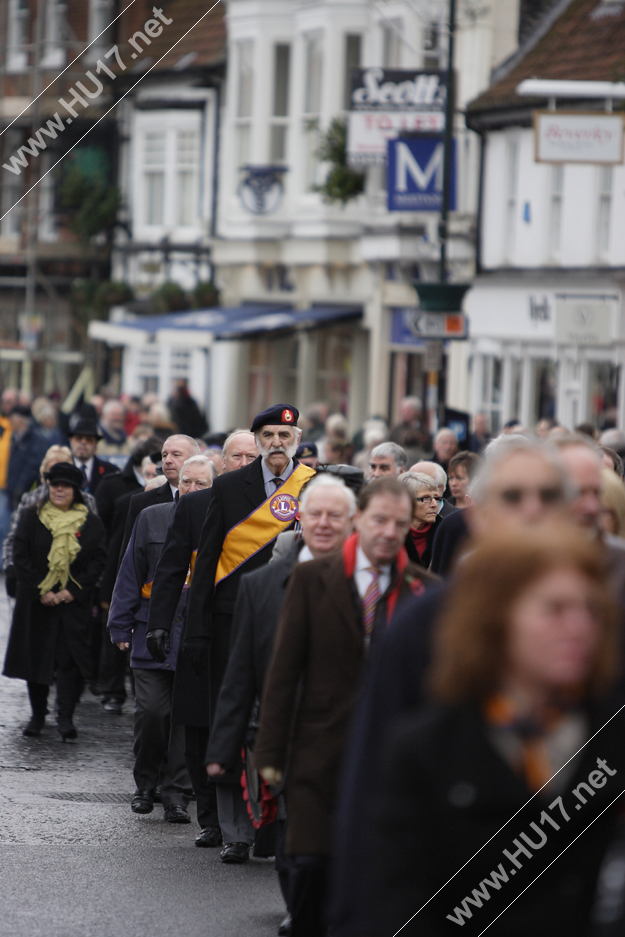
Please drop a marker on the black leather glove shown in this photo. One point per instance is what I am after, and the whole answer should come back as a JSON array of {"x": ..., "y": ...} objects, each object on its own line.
[
  {"x": 158, "y": 644},
  {"x": 195, "y": 651}
]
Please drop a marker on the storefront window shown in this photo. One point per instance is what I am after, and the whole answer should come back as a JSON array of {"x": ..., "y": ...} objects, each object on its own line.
[
  {"x": 546, "y": 385},
  {"x": 492, "y": 374},
  {"x": 603, "y": 380},
  {"x": 273, "y": 373},
  {"x": 334, "y": 361}
]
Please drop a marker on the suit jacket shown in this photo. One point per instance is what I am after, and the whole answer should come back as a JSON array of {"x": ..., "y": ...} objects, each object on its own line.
[
  {"x": 447, "y": 509},
  {"x": 320, "y": 648},
  {"x": 235, "y": 496},
  {"x": 394, "y": 687},
  {"x": 190, "y": 703},
  {"x": 445, "y": 798},
  {"x": 99, "y": 471},
  {"x": 113, "y": 487},
  {"x": 256, "y": 613}
]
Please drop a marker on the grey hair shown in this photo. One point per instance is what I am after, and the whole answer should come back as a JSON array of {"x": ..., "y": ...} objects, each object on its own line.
[
  {"x": 415, "y": 481},
  {"x": 440, "y": 475},
  {"x": 230, "y": 437},
  {"x": 445, "y": 431},
  {"x": 500, "y": 449},
  {"x": 195, "y": 448},
  {"x": 393, "y": 451},
  {"x": 198, "y": 460},
  {"x": 328, "y": 481}
]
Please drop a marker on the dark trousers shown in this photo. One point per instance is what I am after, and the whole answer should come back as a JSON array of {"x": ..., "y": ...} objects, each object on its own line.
[
  {"x": 195, "y": 743},
  {"x": 112, "y": 667},
  {"x": 38, "y": 695},
  {"x": 159, "y": 746},
  {"x": 284, "y": 863},
  {"x": 69, "y": 681},
  {"x": 309, "y": 889}
]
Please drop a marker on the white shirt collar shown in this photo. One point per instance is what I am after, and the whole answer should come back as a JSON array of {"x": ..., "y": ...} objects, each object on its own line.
[
  {"x": 363, "y": 562},
  {"x": 305, "y": 555},
  {"x": 139, "y": 476},
  {"x": 269, "y": 476},
  {"x": 88, "y": 465}
]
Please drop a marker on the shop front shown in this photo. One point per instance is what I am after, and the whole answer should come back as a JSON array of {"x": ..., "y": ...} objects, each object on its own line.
[{"x": 547, "y": 347}]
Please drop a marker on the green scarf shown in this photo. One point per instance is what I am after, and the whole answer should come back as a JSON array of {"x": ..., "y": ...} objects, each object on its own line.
[{"x": 63, "y": 525}]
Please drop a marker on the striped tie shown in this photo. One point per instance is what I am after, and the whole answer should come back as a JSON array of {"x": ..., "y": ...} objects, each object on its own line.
[{"x": 370, "y": 601}]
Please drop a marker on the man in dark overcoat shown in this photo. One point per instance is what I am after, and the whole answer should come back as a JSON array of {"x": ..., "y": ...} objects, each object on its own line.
[
  {"x": 336, "y": 611},
  {"x": 248, "y": 510},
  {"x": 327, "y": 509},
  {"x": 190, "y": 699},
  {"x": 83, "y": 441}
]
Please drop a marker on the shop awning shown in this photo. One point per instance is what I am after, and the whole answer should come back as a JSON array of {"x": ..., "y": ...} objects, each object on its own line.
[{"x": 200, "y": 328}]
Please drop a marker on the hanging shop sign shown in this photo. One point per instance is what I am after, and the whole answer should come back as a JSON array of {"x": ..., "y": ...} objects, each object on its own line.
[
  {"x": 571, "y": 137},
  {"x": 415, "y": 174},
  {"x": 410, "y": 326},
  {"x": 386, "y": 103}
]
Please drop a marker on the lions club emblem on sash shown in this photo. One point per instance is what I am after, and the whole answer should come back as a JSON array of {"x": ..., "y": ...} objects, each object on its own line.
[{"x": 284, "y": 507}]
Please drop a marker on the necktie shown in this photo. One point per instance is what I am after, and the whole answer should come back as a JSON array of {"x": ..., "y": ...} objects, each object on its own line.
[
  {"x": 370, "y": 600},
  {"x": 277, "y": 482},
  {"x": 85, "y": 483}
]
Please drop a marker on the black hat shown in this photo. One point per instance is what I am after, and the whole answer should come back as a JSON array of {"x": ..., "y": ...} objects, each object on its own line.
[
  {"x": 65, "y": 472},
  {"x": 20, "y": 409},
  {"x": 281, "y": 414},
  {"x": 85, "y": 428},
  {"x": 307, "y": 450}
]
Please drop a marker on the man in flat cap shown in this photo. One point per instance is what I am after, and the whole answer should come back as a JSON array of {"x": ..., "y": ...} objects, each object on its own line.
[{"x": 248, "y": 510}]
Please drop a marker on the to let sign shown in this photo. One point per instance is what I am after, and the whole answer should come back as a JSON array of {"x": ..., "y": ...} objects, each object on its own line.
[
  {"x": 415, "y": 174},
  {"x": 569, "y": 137},
  {"x": 413, "y": 326}
]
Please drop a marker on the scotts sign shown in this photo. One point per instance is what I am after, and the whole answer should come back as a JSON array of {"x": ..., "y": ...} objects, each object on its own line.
[{"x": 386, "y": 103}]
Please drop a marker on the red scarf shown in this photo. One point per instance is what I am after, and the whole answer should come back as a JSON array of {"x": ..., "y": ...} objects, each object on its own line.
[{"x": 350, "y": 549}]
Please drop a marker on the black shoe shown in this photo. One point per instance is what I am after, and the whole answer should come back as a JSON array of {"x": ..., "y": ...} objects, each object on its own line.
[
  {"x": 142, "y": 802},
  {"x": 235, "y": 853},
  {"x": 34, "y": 727},
  {"x": 210, "y": 836},
  {"x": 175, "y": 813},
  {"x": 112, "y": 706},
  {"x": 285, "y": 928},
  {"x": 67, "y": 729}
]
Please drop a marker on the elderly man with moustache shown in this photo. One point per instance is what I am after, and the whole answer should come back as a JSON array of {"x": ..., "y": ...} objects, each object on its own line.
[
  {"x": 335, "y": 614},
  {"x": 157, "y": 741},
  {"x": 190, "y": 704},
  {"x": 327, "y": 509},
  {"x": 521, "y": 484},
  {"x": 247, "y": 512}
]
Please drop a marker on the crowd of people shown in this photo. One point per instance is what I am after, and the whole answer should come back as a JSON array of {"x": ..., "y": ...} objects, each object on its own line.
[{"x": 389, "y": 660}]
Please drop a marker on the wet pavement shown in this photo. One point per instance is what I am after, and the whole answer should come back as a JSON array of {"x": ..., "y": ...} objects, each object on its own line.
[{"x": 74, "y": 860}]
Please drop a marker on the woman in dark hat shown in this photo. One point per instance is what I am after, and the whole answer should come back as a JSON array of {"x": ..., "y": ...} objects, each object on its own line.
[{"x": 58, "y": 555}]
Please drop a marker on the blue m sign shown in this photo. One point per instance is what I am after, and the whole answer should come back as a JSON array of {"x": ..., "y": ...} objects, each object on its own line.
[{"x": 415, "y": 174}]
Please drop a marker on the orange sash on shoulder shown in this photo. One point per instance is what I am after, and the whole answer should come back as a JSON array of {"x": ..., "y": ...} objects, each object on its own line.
[{"x": 263, "y": 525}]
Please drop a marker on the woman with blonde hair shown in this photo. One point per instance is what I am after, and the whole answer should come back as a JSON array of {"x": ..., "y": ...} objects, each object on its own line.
[
  {"x": 612, "y": 516},
  {"x": 518, "y": 754},
  {"x": 53, "y": 456}
]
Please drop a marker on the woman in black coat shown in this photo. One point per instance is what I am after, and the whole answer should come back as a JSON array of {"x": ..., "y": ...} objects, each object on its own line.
[
  {"x": 487, "y": 790},
  {"x": 426, "y": 519},
  {"x": 58, "y": 556}
]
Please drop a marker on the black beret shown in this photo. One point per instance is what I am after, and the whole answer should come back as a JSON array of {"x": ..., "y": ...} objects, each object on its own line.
[
  {"x": 65, "y": 472},
  {"x": 20, "y": 409},
  {"x": 281, "y": 414},
  {"x": 307, "y": 450}
]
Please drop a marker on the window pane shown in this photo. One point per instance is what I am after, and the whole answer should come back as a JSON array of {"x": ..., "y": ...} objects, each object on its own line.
[
  {"x": 352, "y": 61},
  {"x": 311, "y": 147},
  {"x": 186, "y": 201},
  {"x": 278, "y": 144},
  {"x": 391, "y": 51},
  {"x": 154, "y": 149},
  {"x": 246, "y": 78},
  {"x": 281, "y": 81},
  {"x": 154, "y": 192},
  {"x": 242, "y": 145},
  {"x": 187, "y": 148},
  {"x": 314, "y": 68}
]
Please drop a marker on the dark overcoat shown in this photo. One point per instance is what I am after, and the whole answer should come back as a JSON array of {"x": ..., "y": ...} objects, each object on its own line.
[
  {"x": 32, "y": 641},
  {"x": 256, "y": 614},
  {"x": 191, "y": 697},
  {"x": 320, "y": 647},
  {"x": 449, "y": 537},
  {"x": 449, "y": 798},
  {"x": 113, "y": 487},
  {"x": 100, "y": 470}
]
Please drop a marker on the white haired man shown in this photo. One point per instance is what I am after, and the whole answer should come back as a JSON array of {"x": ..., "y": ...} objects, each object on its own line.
[
  {"x": 445, "y": 445},
  {"x": 157, "y": 741},
  {"x": 387, "y": 459},
  {"x": 248, "y": 509},
  {"x": 327, "y": 510}
]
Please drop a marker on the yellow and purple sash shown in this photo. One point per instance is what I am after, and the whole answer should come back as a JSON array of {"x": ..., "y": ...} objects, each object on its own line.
[{"x": 263, "y": 525}]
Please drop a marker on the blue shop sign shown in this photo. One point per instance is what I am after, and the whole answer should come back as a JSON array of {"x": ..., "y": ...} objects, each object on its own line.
[{"x": 415, "y": 174}]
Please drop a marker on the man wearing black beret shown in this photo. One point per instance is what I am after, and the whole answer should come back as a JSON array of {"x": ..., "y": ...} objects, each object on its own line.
[{"x": 248, "y": 510}]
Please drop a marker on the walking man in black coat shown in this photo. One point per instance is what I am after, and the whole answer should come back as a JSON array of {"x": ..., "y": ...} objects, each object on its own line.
[
  {"x": 327, "y": 508},
  {"x": 190, "y": 706},
  {"x": 83, "y": 441},
  {"x": 248, "y": 511}
]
